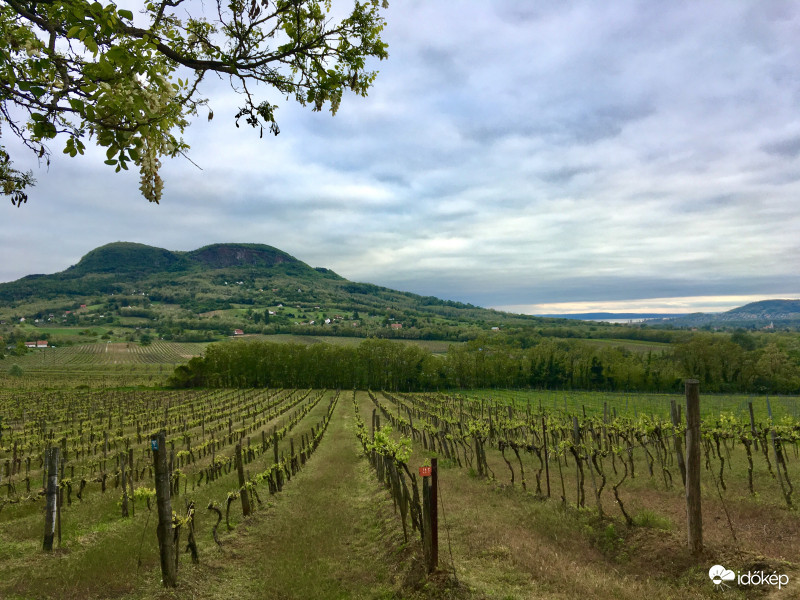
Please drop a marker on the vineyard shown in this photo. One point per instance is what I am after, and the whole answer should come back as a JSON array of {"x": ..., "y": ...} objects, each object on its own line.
[
  {"x": 542, "y": 493},
  {"x": 111, "y": 364},
  {"x": 111, "y": 353}
]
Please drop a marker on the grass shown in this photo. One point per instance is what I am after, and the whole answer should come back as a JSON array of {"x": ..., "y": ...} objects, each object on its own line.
[
  {"x": 101, "y": 550},
  {"x": 649, "y": 518},
  {"x": 333, "y": 532},
  {"x": 508, "y": 527}
]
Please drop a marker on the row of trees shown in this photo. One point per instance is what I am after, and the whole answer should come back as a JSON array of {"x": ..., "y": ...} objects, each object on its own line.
[{"x": 721, "y": 366}]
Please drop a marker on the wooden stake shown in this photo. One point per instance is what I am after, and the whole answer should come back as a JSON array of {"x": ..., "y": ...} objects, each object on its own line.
[
  {"x": 131, "y": 472},
  {"x": 166, "y": 544},
  {"x": 693, "y": 509},
  {"x": 243, "y": 492},
  {"x": 677, "y": 441},
  {"x": 434, "y": 515},
  {"x": 52, "y": 498}
]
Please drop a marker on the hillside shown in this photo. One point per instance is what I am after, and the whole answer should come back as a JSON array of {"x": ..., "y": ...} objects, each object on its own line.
[
  {"x": 133, "y": 292},
  {"x": 123, "y": 291},
  {"x": 756, "y": 315}
]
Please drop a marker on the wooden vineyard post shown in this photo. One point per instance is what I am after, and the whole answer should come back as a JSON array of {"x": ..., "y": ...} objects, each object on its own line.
[
  {"x": 243, "y": 492},
  {"x": 52, "y": 498},
  {"x": 123, "y": 474},
  {"x": 430, "y": 517},
  {"x": 131, "y": 471},
  {"x": 166, "y": 546},
  {"x": 675, "y": 414},
  {"x": 693, "y": 510},
  {"x": 59, "y": 500},
  {"x": 434, "y": 515}
]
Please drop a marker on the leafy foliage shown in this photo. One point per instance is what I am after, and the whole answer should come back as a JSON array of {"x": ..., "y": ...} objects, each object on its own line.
[{"x": 83, "y": 69}]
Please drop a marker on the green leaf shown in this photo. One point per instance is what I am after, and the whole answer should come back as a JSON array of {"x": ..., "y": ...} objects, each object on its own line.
[
  {"x": 111, "y": 162},
  {"x": 76, "y": 104},
  {"x": 125, "y": 14},
  {"x": 90, "y": 44}
]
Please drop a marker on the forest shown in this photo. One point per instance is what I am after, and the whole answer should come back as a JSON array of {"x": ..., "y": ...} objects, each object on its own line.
[{"x": 717, "y": 361}]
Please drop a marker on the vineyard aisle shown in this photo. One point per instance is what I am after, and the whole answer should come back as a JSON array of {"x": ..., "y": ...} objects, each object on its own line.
[
  {"x": 331, "y": 533},
  {"x": 506, "y": 543}
]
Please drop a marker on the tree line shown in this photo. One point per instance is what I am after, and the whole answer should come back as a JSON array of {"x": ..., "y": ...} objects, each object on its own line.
[{"x": 720, "y": 364}]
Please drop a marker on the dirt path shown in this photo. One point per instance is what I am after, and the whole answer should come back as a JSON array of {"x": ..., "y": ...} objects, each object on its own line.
[{"x": 330, "y": 534}]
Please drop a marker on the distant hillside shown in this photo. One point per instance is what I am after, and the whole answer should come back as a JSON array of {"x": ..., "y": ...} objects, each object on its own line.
[
  {"x": 208, "y": 293},
  {"x": 133, "y": 292},
  {"x": 756, "y": 315},
  {"x": 780, "y": 310},
  {"x": 127, "y": 258},
  {"x": 219, "y": 256}
]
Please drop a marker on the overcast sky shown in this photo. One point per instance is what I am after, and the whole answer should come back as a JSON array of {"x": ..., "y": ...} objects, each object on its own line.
[{"x": 538, "y": 156}]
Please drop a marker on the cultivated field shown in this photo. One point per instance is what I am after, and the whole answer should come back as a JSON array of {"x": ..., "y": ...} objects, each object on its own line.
[{"x": 542, "y": 494}]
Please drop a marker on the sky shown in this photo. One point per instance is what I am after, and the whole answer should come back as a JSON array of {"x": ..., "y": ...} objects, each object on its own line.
[{"x": 540, "y": 157}]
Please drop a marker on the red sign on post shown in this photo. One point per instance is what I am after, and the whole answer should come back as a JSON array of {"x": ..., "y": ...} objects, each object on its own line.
[{"x": 424, "y": 471}]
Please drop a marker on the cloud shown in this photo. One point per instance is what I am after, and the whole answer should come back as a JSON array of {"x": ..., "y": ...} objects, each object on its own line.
[
  {"x": 510, "y": 153},
  {"x": 787, "y": 147}
]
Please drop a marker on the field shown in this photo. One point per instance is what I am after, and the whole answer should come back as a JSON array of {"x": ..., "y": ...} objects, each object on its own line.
[
  {"x": 434, "y": 346},
  {"x": 106, "y": 364},
  {"x": 599, "y": 512}
]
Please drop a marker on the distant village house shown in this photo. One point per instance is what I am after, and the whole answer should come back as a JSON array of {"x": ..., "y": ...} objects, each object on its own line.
[{"x": 37, "y": 344}]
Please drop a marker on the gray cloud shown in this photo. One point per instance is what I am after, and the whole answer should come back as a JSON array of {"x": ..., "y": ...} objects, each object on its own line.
[
  {"x": 789, "y": 147},
  {"x": 509, "y": 153}
]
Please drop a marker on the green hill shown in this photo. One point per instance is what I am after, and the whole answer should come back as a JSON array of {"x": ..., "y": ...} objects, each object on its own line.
[
  {"x": 133, "y": 292},
  {"x": 756, "y": 315},
  {"x": 127, "y": 258},
  {"x": 205, "y": 294},
  {"x": 768, "y": 309}
]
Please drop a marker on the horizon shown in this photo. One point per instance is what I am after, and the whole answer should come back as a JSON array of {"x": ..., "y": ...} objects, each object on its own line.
[
  {"x": 665, "y": 306},
  {"x": 508, "y": 155}
]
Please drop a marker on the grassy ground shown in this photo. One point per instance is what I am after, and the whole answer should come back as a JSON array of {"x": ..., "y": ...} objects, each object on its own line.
[
  {"x": 507, "y": 542},
  {"x": 333, "y": 533}
]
